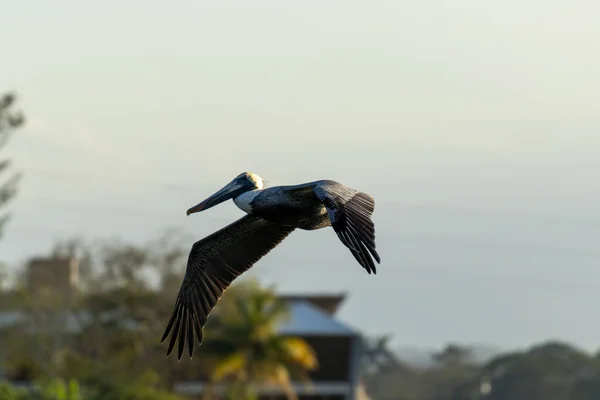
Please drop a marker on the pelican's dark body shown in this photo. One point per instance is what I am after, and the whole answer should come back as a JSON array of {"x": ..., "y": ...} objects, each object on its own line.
[
  {"x": 273, "y": 213},
  {"x": 296, "y": 206}
]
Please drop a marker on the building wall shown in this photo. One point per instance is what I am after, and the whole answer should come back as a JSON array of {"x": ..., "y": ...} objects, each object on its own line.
[
  {"x": 56, "y": 274},
  {"x": 355, "y": 358},
  {"x": 334, "y": 355}
]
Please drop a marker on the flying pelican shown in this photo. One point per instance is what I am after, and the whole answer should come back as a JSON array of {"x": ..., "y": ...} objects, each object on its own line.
[{"x": 272, "y": 214}]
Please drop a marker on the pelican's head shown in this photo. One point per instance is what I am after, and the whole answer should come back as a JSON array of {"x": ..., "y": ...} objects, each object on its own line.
[{"x": 244, "y": 182}]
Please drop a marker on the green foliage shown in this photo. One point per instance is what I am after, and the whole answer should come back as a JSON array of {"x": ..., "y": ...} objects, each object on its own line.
[
  {"x": 58, "y": 389},
  {"x": 133, "y": 393},
  {"x": 240, "y": 391},
  {"x": 8, "y": 392},
  {"x": 9, "y": 120},
  {"x": 550, "y": 371}
]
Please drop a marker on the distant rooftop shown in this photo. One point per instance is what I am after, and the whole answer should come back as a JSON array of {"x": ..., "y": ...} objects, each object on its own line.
[
  {"x": 329, "y": 303},
  {"x": 307, "y": 319}
]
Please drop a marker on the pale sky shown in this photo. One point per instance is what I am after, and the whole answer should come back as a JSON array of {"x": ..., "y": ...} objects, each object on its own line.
[{"x": 475, "y": 124}]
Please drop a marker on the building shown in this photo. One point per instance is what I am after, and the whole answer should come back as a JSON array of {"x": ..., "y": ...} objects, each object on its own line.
[
  {"x": 338, "y": 348},
  {"x": 60, "y": 275}
]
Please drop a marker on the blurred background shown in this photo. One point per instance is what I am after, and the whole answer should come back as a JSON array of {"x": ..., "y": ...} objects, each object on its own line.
[{"x": 473, "y": 124}]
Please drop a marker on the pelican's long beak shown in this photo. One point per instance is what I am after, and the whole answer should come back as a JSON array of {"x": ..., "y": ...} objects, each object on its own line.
[{"x": 222, "y": 195}]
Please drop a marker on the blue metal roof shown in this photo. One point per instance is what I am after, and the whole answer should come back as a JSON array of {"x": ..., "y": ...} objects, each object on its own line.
[{"x": 306, "y": 319}]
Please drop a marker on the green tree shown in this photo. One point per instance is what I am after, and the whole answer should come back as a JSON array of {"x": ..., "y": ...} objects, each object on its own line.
[
  {"x": 9, "y": 120},
  {"x": 376, "y": 355},
  {"x": 550, "y": 371},
  {"x": 454, "y": 354}
]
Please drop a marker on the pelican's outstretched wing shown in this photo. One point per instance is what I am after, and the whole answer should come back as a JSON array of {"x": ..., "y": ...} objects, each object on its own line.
[
  {"x": 214, "y": 262},
  {"x": 350, "y": 214}
]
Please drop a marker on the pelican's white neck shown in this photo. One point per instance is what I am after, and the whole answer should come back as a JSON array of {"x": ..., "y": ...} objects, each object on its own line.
[{"x": 244, "y": 200}]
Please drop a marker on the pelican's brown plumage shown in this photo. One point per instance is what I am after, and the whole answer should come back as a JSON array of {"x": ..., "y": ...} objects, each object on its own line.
[{"x": 272, "y": 214}]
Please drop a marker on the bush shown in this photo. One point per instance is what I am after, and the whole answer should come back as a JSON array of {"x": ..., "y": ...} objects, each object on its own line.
[
  {"x": 59, "y": 389},
  {"x": 9, "y": 392}
]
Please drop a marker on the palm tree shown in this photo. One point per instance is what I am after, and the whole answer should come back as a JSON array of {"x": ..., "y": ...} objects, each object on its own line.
[{"x": 245, "y": 348}]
